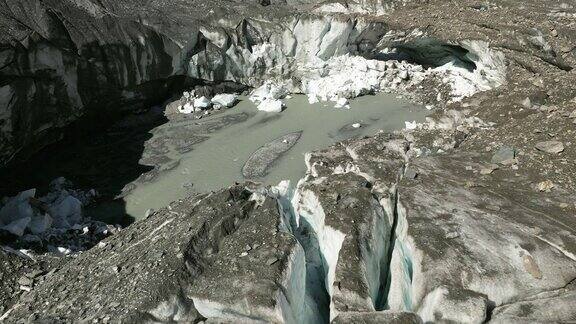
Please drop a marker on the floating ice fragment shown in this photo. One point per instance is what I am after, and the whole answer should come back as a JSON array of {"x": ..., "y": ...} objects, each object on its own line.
[
  {"x": 411, "y": 125},
  {"x": 341, "y": 103},
  {"x": 225, "y": 100},
  {"x": 271, "y": 105}
]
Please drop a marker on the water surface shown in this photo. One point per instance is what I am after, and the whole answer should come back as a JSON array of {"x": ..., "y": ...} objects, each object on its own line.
[{"x": 217, "y": 162}]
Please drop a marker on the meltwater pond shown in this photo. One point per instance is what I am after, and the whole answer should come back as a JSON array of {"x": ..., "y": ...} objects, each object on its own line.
[{"x": 218, "y": 161}]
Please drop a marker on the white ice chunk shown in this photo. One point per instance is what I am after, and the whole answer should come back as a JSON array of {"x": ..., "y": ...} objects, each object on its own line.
[
  {"x": 188, "y": 108},
  {"x": 269, "y": 91},
  {"x": 18, "y": 226},
  {"x": 341, "y": 103},
  {"x": 66, "y": 211},
  {"x": 271, "y": 105},
  {"x": 225, "y": 100},
  {"x": 17, "y": 207},
  {"x": 411, "y": 125},
  {"x": 202, "y": 103}
]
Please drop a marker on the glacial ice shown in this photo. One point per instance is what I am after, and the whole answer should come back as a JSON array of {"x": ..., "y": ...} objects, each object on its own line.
[
  {"x": 187, "y": 108},
  {"x": 66, "y": 210},
  {"x": 400, "y": 272},
  {"x": 61, "y": 208},
  {"x": 330, "y": 240},
  {"x": 270, "y": 90},
  {"x": 202, "y": 103},
  {"x": 269, "y": 96},
  {"x": 490, "y": 71},
  {"x": 343, "y": 77},
  {"x": 17, "y": 207},
  {"x": 40, "y": 224},
  {"x": 18, "y": 226},
  {"x": 326, "y": 59},
  {"x": 225, "y": 100}
]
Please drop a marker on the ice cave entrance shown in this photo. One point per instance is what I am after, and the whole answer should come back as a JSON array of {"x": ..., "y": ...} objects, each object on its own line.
[{"x": 218, "y": 161}]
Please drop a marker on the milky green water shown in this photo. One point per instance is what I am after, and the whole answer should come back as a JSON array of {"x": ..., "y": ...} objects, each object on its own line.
[{"x": 217, "y": 162}]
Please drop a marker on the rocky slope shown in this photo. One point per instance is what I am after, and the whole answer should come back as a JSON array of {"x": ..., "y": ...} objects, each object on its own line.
[{"x": 469, "y": 217}]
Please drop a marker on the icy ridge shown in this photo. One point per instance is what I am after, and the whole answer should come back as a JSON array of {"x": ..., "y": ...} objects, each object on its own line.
[
  {"x": 330, "y": 240},
  {"x": 400, "y": 296}
]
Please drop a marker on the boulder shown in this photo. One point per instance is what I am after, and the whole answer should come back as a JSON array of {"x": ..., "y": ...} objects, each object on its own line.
[
  {"x": 552, "y": 147},
  {"x": 503, "y": 154}
]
